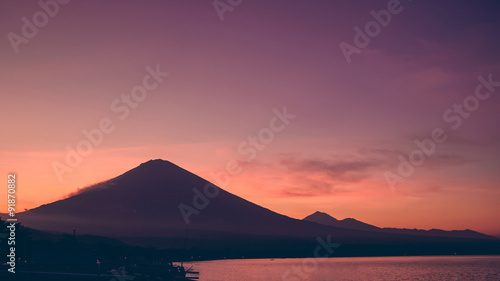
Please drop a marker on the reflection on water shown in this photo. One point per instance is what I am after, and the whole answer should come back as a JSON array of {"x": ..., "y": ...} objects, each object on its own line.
[{"x": 451, "y": 268}]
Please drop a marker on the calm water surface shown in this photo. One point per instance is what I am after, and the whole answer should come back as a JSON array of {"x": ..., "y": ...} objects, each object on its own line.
[{"x": 451, "y": 268}]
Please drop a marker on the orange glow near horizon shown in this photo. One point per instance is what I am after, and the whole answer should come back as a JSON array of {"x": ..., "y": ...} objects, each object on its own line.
[
  {"x": 353, "y": 122},
  {"x": 370, "y": 201}
]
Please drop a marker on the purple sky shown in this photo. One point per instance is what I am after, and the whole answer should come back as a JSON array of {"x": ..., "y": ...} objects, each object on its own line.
[{"x": 352, "y": 121}]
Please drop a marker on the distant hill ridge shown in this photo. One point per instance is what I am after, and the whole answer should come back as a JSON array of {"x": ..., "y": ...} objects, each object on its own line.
[{"x": 349, "y": 223}]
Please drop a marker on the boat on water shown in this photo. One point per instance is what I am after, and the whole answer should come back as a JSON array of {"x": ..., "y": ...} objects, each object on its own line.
[
  {"x": 167, "y": 272},
  {"x": 159, "y": 272}
]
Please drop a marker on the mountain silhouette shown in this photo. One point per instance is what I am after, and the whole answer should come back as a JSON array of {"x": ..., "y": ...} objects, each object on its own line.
[
  {"x": 145, "y": 201},
  {"x": 142, "y": 206}
]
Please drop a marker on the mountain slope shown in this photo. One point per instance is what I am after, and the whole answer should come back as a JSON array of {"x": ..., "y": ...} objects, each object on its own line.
[
  {"x": 141, "y": 207},
  {"x": 145, "y": 201}
]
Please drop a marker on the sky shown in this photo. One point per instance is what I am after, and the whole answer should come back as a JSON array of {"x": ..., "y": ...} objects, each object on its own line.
[{"x": 318, "y": 105}]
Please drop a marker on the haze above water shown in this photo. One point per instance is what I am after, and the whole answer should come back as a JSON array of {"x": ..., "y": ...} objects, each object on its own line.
[{"x": 453, "y": 268}]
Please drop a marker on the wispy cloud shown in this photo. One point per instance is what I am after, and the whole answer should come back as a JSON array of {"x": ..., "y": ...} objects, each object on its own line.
[
  {"x": 338, "y": 170},
  {"x": 293, "y": 175}
]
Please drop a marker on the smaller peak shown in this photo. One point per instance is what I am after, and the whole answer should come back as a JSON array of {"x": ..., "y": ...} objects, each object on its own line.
[
  {"x": 319, "y": 214},
  {"x": 320, "y": 217}
]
